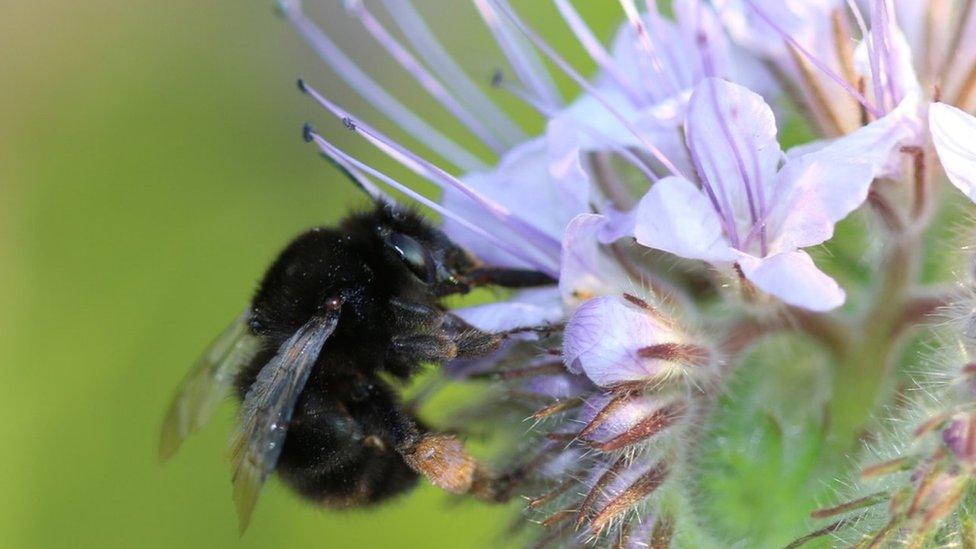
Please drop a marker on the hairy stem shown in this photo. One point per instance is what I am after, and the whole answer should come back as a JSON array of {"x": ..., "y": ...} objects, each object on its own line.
[{"x": 861, "y": 371}]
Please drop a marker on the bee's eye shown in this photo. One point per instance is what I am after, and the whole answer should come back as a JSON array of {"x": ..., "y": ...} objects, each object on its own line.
[{"x": 414, "y": 254}]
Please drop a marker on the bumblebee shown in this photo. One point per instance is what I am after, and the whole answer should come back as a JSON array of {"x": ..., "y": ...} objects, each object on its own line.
[{"x": 341, "y": 311}]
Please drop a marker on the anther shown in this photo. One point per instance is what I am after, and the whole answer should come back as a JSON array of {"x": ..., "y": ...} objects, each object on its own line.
[
  {"x": 301, "y": 85},
  {"x": 308, "y": 132},
  {"x": 349, "y": 123},
  {"x": 497, "y": 78}
]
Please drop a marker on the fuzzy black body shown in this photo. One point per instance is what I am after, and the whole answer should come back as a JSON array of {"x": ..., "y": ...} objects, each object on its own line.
[{"x": 346, "y": 437}]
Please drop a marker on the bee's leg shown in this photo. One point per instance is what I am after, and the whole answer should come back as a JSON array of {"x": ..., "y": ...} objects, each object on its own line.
[
  {"x": 443, "y": 460},
  {"x": 508, "y": 278},
  {"x": 415, "y": 348},
  {"x": 471, "y": 342},
  {"x": 416, "y": 317}
]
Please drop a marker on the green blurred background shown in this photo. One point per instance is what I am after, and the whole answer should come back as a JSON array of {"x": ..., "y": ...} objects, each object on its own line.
[{"x": 150, "y": 167}]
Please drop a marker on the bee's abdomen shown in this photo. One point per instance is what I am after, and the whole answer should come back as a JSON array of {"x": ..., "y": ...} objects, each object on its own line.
[{"x": 340, "y": 450}]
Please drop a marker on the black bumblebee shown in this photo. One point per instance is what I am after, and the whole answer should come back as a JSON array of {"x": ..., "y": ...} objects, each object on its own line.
[{"x": 338, "y": 308}]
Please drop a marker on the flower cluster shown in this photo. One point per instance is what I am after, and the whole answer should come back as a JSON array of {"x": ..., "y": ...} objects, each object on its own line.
[{"x": 678, "y": 227}]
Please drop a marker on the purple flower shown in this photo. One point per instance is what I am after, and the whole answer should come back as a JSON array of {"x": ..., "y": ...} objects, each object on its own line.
[
  {"x": 753, "y": 205},
  {"x": 621, "y": 339}
]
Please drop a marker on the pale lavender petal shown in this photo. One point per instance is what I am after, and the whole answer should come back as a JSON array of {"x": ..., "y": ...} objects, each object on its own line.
[
  {"x": 523, "y": 185},
  {"x": 587, "y": 270},
  {"x": 816, "y": 190},
  {"x": 524, "y": 309},
  {"x": 954, "y": 135},
  {"x": 676, "y": 217},
  {"x": 566, "y": 170},
  {"x": 590, "y": 112},
  {"x": 795, "y": 279},
  {"x": 731, "y": 132},
  {"x": 558, "y": 386},
  {"x": 603, "y": 338}
]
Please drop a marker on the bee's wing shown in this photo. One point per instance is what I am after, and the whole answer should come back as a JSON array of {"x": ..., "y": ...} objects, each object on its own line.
[
  {"x": 268, "y": 407},
  {"x": 206, "y": 385}
]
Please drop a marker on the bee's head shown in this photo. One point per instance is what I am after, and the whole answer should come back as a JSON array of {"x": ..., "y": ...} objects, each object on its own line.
[{"x": 424, "y": 251}]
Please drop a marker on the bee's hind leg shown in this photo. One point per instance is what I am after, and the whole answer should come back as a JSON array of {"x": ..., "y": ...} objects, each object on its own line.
[{"x": 443, "y": 459}]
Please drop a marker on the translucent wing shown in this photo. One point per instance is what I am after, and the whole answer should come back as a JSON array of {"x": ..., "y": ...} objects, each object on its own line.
[
  {"x": 268, "y": 407},
  {"x": 206, "y": 385}
]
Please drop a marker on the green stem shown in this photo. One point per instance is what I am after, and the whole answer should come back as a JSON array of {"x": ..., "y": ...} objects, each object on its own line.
[{"x": 862, "y": 367}]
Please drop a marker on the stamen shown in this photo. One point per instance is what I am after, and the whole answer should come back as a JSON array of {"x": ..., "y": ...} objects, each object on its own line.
[
  {"x": 359, "y": 81},
  {"x": 498, "y": 81},
  {"x": 543, "y": 242},
  {"x": 422, "y": 75},
  {"x": 467, "y": 91},
  {"x": 657, "y": 23},
  {"x": 359, "y": 178},
  {"x": 859, "y": 17},
  {"x": 813, "y": 59},
  {"x": 523, "y": 60},
  {"x": 339, "y": 155},
  {"x": 630, "y": 9},
  {"x": 845, "y": 51},
  {"x": 959, "y": 32},
  {"x": 708, "y": 62},
  {"x": 881, "y": 53},
  {"x": 596, "y": 50},
  {"x": 589, "y": 88}
]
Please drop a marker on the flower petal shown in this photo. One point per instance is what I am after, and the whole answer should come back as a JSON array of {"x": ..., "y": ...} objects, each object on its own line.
[
  {"x": 954, "y": 135},
  {"x": 676, "y": 217},
  {"x": 596, "y": 127},
  {"x": 522, "y": 183},
  {"x": 536, "y": 307},
  {"x": 731, "y": 132},
  {"x": 586, "y": 270},
  {"x": 795, "y": 279},
  {"x": 817, "y": 189},
  {"x": 603, "y": 338}
]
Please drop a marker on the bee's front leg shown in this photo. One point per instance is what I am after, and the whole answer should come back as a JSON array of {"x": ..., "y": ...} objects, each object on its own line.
[
  {"x": 471, "y": 342},
  {"x": 429, "y": 334}
]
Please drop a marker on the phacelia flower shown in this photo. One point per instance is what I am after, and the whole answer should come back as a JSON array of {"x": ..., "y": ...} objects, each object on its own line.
[
  {"x": 754, "y": 205},
  {"x": 642, "y": 197}
]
